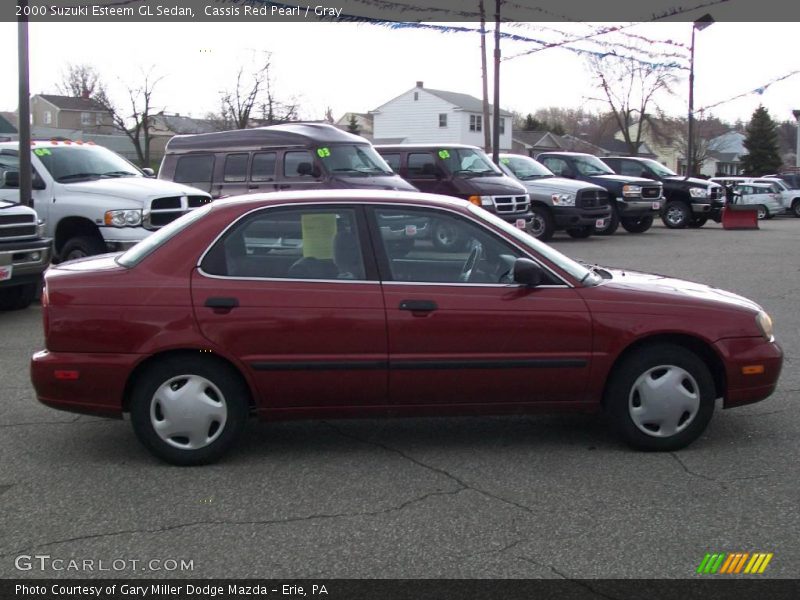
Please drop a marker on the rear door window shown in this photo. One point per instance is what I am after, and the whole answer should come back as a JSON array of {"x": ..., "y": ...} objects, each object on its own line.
[
  {"x": 195, "y": 170},
  {"x": 235, "y": 168},
  {"x": 263, "y": 167}
]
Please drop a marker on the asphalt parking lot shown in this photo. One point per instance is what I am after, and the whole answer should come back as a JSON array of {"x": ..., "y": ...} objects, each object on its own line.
[{"x": 519, "y": 497}]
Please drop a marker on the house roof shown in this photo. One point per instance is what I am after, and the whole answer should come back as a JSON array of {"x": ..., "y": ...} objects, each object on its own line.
[
  {"x": 73, "y": 103},
  {"x": 538, "y": 139},
  {"x": 464, "y": 101},
  {"x": 178, "y": 124},
  {"x": 6, "y": 126},
  {"x": 726, "y": 157},
  {"x": 619, "y": 147}
]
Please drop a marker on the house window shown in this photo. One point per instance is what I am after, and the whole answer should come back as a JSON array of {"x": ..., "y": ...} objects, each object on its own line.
[
  {"x": 502, "y": 126},
  {"x": 99, "y": 119},
  {"x": 416, "y": 96},
  {"x": 442, "y": 119},
  {"x": 86, "y": 118},
  {"x": 48, "y": 117},
  {"x": 475, "y": 123}
]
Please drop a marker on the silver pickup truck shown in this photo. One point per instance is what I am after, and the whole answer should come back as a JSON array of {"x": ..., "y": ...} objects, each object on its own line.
[
  {"x": 91, "y": 199},
  {"x": 24, "y": 255}
]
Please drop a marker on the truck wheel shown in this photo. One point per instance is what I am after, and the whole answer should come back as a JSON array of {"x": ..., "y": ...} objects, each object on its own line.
[
  {"x": 18, "y": 297},
  {"x": 541, "y": 224},
  {"x": 796, "y": 208},
  {"x": 612, "y": 223},
  {"x": 763, "y": 213},
  {"x": 447, "y": 238},
  {"x": 697, "y": 222},
  {"x": 580, "y": 233},
  {"x": 637, "y": 224},
  {"x": 81, "y": 246},
  {"x": 676, "y": 215}
]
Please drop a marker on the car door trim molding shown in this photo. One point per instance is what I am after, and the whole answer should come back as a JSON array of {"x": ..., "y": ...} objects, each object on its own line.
[
  {"x": 420, "y": 364},
  {"x": 320, "y": 365}
]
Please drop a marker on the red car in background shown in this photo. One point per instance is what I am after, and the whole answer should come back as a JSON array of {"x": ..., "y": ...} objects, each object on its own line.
[{"x": 304, "y": 305}]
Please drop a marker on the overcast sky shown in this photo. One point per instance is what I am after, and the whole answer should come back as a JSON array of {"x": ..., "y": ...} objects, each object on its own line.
[{"x": 357, "y": 67}]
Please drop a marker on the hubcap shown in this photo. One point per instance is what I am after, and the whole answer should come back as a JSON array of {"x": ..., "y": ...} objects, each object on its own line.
[
  {"x": 536, "y": 226},
  {"x": 188, "y": 412},
  {"x": 762, "y": 212},
  {"x": 664, "y": 401},
  {"x": 446, "y": 236},
  {"x": 675, "y": 215}
]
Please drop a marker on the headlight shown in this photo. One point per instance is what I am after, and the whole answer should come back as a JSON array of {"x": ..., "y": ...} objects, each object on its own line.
[
  {"x": 697, "y": 192},
  {"x": 631, "y": 190},
  {"x": 765, "y": 325},
  {"x": 481, "y": 200},
  {"x": 123, "y": 218},
  {"x": 563, "y": 199}
]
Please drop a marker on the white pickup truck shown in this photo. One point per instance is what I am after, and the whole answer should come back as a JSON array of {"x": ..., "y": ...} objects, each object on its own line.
[
  {"x": 24, "y": 255},
  {"x": 92, "y": 200}
]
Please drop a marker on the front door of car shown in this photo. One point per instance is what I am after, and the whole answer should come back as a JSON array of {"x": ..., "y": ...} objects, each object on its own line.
[
  {"x": 292, "y": 295},
  {"x": 461, "y": 332}
]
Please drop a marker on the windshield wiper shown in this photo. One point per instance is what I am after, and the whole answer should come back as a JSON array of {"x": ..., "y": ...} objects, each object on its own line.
[
  {"x": 72, "y": 176},
  {"x": 119, "y": 174}
]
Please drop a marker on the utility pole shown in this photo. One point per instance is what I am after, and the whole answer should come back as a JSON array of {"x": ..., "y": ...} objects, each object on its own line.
[
  {"x": 496, "y": 115},
  {"x": 487, "y": 136},
  {"x": 24, "y": 110}
]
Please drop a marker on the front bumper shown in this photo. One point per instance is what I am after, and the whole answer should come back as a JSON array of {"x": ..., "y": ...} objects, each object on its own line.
[
  {"x": 122, "y": 238},
  {"x": 28, "y": 259},
  {"x": 567, "y": 217},
  {"x": 639, "y": 208},
  {"x": 756, "y": 354}
]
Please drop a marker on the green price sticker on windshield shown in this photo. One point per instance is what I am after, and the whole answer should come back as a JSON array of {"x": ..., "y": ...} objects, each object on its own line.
[
  {"x": 505, "y": 161},
  {"x": 323, "y": 152},
  {"x": 444, "y": 154},
  {"x": 42, "y": 152}
]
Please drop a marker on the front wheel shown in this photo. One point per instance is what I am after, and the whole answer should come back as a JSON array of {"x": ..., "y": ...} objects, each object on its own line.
[
  {"x": 448, "y": 238},
  {"x": 637, "y": 224},
  {"x": 676, "y": 214},
  {"x": 18, "y": 297},
  {"x": 82, "y": 246},
  {"x": 189, "y": 411},
  {"x": 541, "y": 225},
  {"x": 796, "y": 208},
  {"x": 611, "y": 223},
  {"x": 580, "y": 233},
  {"x": 660, "y": 397},
  {"x": 762, "y": 212}
]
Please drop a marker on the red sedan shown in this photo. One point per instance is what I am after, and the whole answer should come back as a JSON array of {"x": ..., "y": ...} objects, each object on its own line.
[{"x": 338, "y": 304}]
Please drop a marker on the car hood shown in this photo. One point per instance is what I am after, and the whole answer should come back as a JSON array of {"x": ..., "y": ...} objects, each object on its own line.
[
  {"x": 132, "y": 188},
  {"x": 380, "y": 182},
  {"x": 691, "y": 181},
  {"x": 627, "y": 179},
  {"x": 495, "y": 185},
  {"x": 669, "y": 289},
  {"x": 559, "y": 184}
]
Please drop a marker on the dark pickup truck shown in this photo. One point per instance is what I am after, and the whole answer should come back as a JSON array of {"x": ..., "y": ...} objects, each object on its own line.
[
  {"x": 689, "y": 202},
  {"x": 636, "y": 200}
]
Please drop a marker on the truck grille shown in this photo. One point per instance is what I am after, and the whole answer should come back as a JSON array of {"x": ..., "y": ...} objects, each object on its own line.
[
  {"x": 511, "y": 204},
  {"x": 651, "y": 192},
  {"x": 16, "y": 227},
  {"x": 166, "y": 210},
  {"x": 591, "y": 199}
]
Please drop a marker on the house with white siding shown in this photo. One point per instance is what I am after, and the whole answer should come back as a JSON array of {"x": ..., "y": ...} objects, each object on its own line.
[{"x": 422, "y": 115}]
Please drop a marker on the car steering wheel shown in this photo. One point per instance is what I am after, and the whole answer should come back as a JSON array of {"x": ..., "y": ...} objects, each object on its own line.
[{"x": 470, "y": 263}]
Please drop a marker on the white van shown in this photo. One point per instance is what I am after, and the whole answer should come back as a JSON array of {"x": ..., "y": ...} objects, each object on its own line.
[{"x": 92, "y": 200}]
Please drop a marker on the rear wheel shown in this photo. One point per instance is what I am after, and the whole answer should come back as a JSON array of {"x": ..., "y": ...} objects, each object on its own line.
[
  {"x": 796, "y": 208},
  {"x": 541, "y": 225},
  {"x": 762, "y": 212},
  {"x": 611, "y": 223},
  {"x": 18, "y": 297},
  {"x": 580, "y": 233},
  {"x": 189, "y": 411},
  {"x": 637, "y": 224},
  {"x": 82, "y": 246},
  {"x": 676, "y": 215},
  {"x": 661, "y": 397}
]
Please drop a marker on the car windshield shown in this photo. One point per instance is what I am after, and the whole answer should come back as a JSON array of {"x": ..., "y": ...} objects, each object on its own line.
[
  {"x": 353, "y": 159},
  {"x": 525, "y": 168},
  {"x": 143, "y": 249},
  {"x": 468, "y": 162},
  {"x": 590, "y": 166},
  {"x": 73, "y": 163},
  {"x": 575, "y": 269},
  {"x": 659, "y": 169}
]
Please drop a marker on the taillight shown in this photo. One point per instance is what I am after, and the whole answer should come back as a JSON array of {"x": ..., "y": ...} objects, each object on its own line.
[{"x": 45, "y": 312}]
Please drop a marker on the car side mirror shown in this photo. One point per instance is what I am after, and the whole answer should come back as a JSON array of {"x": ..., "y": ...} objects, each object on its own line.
[
  {"x": 527, "y": 272},
  {"x": 307, "y": 168},
  {"x": 148, "y": 172},
  {"x": 11, "y": 179}
]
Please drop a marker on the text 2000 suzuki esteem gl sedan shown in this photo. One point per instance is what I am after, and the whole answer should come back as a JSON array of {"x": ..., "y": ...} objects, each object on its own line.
[{"x": 304, "y": 305}]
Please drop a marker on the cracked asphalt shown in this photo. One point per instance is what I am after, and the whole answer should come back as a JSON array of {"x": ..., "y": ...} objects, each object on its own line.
[{"x": 511, "y": 497}]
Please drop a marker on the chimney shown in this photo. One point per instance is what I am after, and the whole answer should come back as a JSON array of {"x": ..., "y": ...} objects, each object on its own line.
[
  {"x": 419, "y": 84},
  {"x": 85, "y": 94}
]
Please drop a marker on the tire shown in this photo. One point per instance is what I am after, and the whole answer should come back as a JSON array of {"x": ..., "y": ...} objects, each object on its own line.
[
  {"x": 400, "y": 248},
  {"x": 580, "y": 233},
  {"x": 796, "y": 208},
  {"x": 662, "y": 421},
  {"x": 676, "y": 214},
  {"x": 763, "y": 213},
  {"x": 613, "y": 221},
  {"x": 447, "y": 238},
  {"x": 698, "y": 222},
  {"x": 82, "y": 246},
  {"x": 637, "y": 224},
  {"x": 541, "y": 225},
  {"x": 211, "y": 402},
  {"x": 18, "y": 297}
]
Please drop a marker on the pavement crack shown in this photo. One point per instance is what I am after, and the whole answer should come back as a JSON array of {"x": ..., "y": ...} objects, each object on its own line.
[
  {"x": 693, "y": 473},
  {"x": 68, "y": 422},
  {"x": 5, "y": 488},
  {"x": 439, "y": 470}
]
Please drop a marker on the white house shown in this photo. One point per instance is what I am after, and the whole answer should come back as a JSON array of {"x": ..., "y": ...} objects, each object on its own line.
[{"x": 422, "y": 115}]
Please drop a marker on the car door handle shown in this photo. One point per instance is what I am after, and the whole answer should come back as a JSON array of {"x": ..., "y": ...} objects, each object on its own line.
[
  {"x": 222, "y": 305},
  {"x": 425, "y": 306}
]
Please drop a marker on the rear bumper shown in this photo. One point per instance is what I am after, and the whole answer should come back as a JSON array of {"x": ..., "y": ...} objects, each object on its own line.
[
  {"x": 738, "y": 353},
  {"x": 98, "y": 389}
]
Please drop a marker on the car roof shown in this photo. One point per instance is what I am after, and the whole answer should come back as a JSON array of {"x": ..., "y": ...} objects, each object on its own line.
[{"x": 426, "y": 146}]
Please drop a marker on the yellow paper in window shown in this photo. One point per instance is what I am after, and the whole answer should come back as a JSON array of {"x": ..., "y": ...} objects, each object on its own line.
[{"x": 318, "y": 233}]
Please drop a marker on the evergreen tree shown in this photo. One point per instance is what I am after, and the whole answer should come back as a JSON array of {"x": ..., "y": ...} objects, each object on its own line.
[
  {"x": 352, "y": 125},
  {"x": 763, "y": 155}
]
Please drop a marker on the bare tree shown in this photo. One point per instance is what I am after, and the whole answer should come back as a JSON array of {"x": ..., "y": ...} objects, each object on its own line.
[
  {"x": 136, "y": 119},
  {"x": 630, "y": 89},
  {"x": 83, "y": 81}
]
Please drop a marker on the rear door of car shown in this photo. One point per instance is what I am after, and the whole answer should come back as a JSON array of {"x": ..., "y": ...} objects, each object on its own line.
[
  {"x": 481, "y": 342},
  {"x": 292, "y": 293}
]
